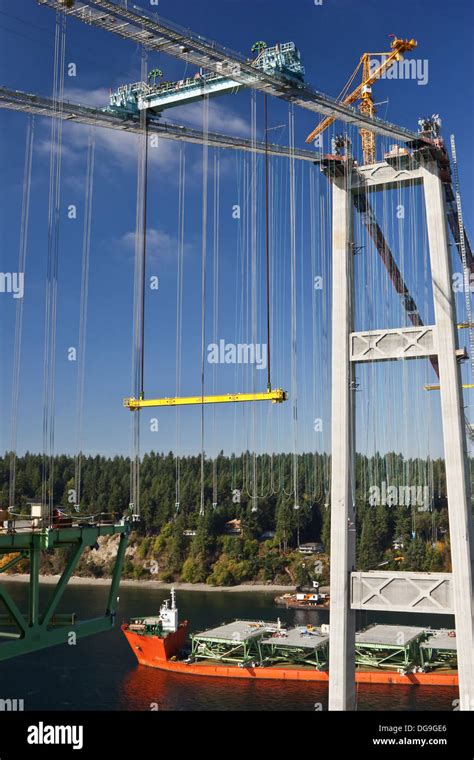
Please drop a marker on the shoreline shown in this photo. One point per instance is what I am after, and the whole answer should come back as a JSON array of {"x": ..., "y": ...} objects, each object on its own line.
[{"x": 154, "y": 585}]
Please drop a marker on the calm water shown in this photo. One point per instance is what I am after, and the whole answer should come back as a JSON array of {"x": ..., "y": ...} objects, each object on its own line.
[{"x": 101, "y": 673}]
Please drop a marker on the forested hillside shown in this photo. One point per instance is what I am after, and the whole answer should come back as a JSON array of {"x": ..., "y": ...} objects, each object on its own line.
[{"x": 179, "y": 544}]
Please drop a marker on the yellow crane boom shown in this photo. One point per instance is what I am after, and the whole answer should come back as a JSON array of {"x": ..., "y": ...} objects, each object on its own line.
[
  {"x": 363, "y": 92},
  {"x": 438, "y": 387},
  {"x": 276, "y": 397}
]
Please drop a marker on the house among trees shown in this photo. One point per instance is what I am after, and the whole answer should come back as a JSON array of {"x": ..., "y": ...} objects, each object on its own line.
[
  {"x": 313, "y": 548},
  {"x": 233, "y": 528}
]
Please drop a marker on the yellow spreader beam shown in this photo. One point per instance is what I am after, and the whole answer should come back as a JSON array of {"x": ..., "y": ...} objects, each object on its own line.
[
  {"x": 437, "y": 387},
  {"x": 276, "y": 397}
]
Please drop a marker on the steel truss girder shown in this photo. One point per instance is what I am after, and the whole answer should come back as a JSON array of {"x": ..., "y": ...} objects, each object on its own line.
[
  {"x": 277, "y": 655},
  {"x": 15, "y": 100},
  {"x": 369, "y": 655},
  {"x": 41, "y": 629},
  {"x": 163, "y": 36},
  {"x": 239, "y": 652},
  {"x": 402, "y": 592}
]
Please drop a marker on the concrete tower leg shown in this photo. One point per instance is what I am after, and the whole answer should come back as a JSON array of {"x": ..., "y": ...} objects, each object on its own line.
[
  {"x": 342, "y": 618},
  {"x": 457, "y": 474}
]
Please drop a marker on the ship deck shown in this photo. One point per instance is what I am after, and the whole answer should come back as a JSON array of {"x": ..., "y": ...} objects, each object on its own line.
[
  {"x": 239, "y": 630},
  {"x": 389, "y": 635},
  {"x": 440, "y": 641},
  {"x": 299, "y": 638}
]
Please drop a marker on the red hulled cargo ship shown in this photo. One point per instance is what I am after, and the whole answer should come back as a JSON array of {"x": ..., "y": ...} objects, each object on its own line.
[{"x": 259, "y": 650}]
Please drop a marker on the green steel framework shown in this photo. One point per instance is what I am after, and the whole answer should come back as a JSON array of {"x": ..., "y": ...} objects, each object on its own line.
[
  {"x": 401, "y": 656},
  {"x": 239, "y": 652},
  {"x": 37, "y": 629},
  {"x": 271, "y": 653},
  {"x": 438, "y": 658},
  {"x": 257, "y": 651}
]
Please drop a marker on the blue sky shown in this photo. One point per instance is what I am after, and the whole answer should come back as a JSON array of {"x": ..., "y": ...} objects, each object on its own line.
[{"x": 331, "y": 38}]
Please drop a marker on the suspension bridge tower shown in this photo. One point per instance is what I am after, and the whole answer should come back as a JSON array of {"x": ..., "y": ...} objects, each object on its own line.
[{"x": 427, "y": 165}]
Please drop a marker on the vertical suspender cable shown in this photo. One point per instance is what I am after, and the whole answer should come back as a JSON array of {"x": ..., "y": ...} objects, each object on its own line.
[
  {"x": 312, "y": 233},
  {"x": 466, "y": 268},
  {"x": 205, "y": 181},
  {"x": 294, "y": 387},
  {"x": 244, "y": 303},
  {"x": 25, "y": 214},
  {"x": 86, "y": 244},
  {"x": 272, "y": 269},
  {"x": 307, "y": 486},
  {"x": 238, "y": 296},
  {"x": 216, "y": 304},
  {"x": 49, "y": 365},
  {"x": 268, "y": 281},
  {"x": 145, "y": 211},
  {"x": 254, "y": 267},
  {"x": 179, "y": 314},
  {"x": 138, "y": 358},
  {"x": 267, "y": 245},
  {"x": 462, "y": 246}
]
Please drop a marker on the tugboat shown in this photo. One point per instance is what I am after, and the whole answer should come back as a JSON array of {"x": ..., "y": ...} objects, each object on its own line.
[{"x": 306, "y": 599}]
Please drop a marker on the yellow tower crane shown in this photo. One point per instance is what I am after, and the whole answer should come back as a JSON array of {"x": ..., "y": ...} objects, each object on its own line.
[{"x": 363, "y": 93}]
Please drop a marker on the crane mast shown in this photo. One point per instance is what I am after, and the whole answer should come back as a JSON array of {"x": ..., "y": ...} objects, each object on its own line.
[{"x": 363, "y": 93}]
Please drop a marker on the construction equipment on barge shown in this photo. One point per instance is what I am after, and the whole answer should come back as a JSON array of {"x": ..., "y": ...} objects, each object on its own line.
[
  {"x": 260, "y": 649},
  {"x": 304, "y": 600}
]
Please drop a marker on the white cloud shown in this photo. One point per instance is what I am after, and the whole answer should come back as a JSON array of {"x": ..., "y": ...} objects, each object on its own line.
[
  {"x": 121, "y": 148},
  {"x": 117, "y": 150},
  {"x": 98, "y": 98},
  {"x": 160, "y": 245},
  {"x": 221, "y": 118}
]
